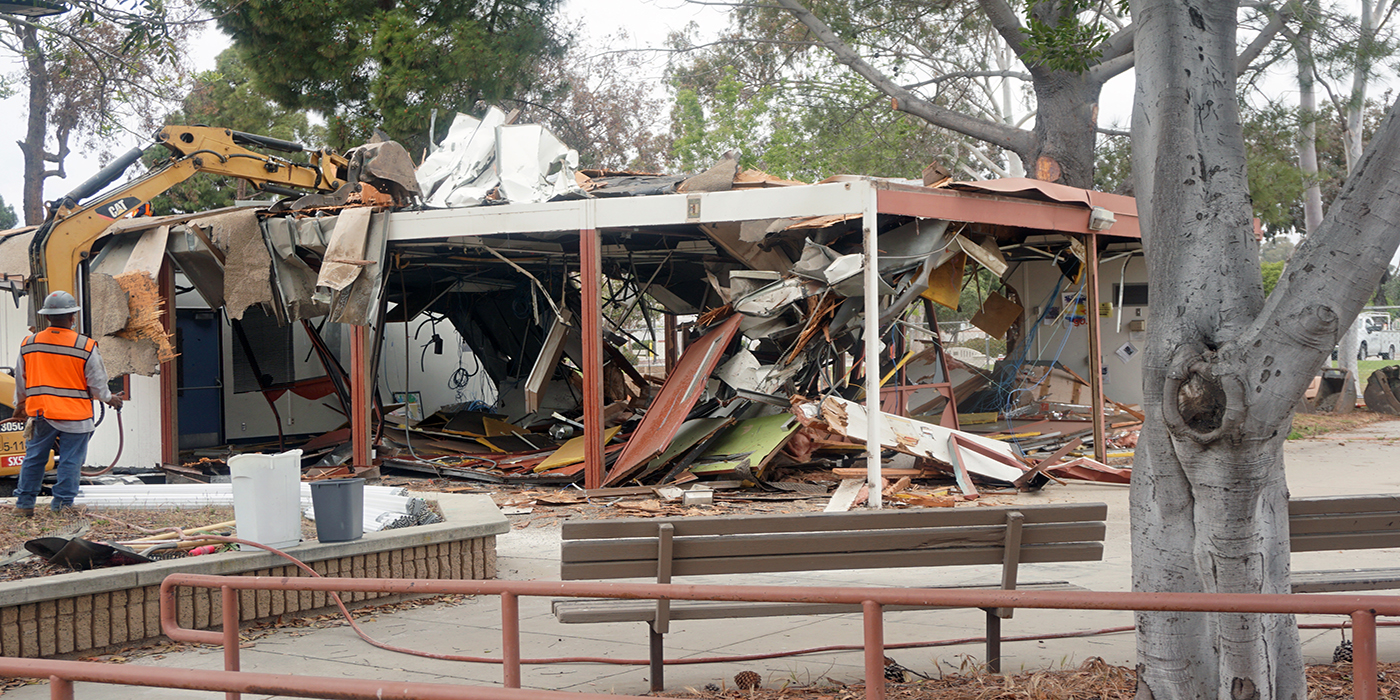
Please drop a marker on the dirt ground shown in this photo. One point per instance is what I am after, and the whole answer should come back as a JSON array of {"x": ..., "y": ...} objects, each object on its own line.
[
  {"x": 1306, "y": 425},
  {"x": 97, "y": 526},
  {"x": 1093, "y": 680}
]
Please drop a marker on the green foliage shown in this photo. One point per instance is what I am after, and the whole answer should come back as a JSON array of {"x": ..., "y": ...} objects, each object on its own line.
[
  {"x": 819, "y": 118},
  {"x": 1276, "y": 183},
  {"x": 797, "y": 133},
  {"x": 1113, "y": 165},
  {"x": 227, "y": 97},
  {"x": 1271, "y": 271},
  {"x": 368, "y": 63},
  {"x": 8, "y": 218},
  {"x": 1064, "y": 35},
  {"x": 1277, "y": 249}
]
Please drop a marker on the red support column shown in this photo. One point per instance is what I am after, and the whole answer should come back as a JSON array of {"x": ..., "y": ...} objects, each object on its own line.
[
  {"x": 591, "y": 277},
  {"x": 360, "y": 391},
  {"x": 169, "y": 383},
  {"x": 672, "y": 347}
]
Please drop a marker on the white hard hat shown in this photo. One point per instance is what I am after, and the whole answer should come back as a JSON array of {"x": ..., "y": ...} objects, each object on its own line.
[{"x": 58, "y": 304}]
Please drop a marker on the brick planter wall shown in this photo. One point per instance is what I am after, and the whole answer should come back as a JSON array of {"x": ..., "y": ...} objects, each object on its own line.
[{"x": 86, "y": 611}]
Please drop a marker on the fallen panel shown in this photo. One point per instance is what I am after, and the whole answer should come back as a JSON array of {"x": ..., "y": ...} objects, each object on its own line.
[
  {"x": 673, "y": 402},
  {"x": 692, "y": 433},
  {"x": 547, "y": 361},
  {"x": 1086, "y": 469},
  {"x": 921, "y": 439},
  {"x": 572, "y": 452},
  {"x": 748, "y": 446}
]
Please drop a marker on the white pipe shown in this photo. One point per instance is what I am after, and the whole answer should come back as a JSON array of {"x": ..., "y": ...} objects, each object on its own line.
[{"x": 870, "y": 222}]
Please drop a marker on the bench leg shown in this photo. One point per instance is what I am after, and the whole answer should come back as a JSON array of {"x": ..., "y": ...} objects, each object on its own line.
[
  {"x": 658, "y": 660},
  {"x": 993, "y": 641}
]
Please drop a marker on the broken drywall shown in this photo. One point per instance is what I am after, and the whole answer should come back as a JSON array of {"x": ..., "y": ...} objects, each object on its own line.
[
  {"x": 108, "y": 305},
  {"x": 123, "y": 356},
  {"x": 247, "y": 268}
]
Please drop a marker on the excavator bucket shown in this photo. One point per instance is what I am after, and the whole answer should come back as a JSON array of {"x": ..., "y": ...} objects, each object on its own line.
[
  {"x": 1383, "y": 391},
  {"x": 1336, "y": 393}
]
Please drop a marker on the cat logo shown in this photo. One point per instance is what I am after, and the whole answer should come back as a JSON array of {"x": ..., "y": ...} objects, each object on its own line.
[{"x": 116, "y": 209}]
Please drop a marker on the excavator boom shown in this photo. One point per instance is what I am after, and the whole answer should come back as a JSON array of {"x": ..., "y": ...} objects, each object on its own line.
[{"x": 66, "y": 238}]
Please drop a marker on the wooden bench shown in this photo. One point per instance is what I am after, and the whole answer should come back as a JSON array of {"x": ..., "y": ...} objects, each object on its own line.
[
  {"x": 669, "y": 547},
  {"x": 1346, "y": 523}
]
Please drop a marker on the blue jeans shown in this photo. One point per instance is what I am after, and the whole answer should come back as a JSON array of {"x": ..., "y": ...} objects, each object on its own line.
[{"x": 72, "y": 450}]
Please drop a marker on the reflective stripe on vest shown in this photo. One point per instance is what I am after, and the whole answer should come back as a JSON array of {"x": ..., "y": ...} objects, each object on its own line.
[{"x": 55, "y": 374}]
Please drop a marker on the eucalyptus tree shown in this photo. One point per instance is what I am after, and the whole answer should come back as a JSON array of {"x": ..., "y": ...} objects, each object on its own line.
[
  {"x": 101, "y": 67},
  {"x": 1225, "y": 367}
]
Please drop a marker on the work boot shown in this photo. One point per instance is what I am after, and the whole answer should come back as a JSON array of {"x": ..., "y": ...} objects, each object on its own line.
[{"x": 25, "y": 512}]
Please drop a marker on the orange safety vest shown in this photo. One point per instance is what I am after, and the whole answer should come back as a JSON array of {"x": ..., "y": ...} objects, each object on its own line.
[{"x": 55, "y": 376}]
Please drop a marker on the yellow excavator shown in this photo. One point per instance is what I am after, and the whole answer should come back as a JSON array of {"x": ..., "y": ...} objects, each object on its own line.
[{"x": 65, "y": 239}]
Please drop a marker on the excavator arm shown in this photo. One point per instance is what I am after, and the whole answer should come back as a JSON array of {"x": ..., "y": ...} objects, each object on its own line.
[{"x": 66, "y": 238}]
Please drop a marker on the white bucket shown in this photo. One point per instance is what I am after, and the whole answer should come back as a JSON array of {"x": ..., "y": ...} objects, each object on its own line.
[{"x": 267, "y": 498}]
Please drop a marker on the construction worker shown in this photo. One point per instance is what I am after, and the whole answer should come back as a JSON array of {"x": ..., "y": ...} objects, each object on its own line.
[{"x": 58, "y": 374}]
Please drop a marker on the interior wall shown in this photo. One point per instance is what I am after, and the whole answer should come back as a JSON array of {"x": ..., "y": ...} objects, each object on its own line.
[
  {"x": 1070, "y": 344},
  {"x": 248, "y": 417},
  {"x": 410, "y": 364}
]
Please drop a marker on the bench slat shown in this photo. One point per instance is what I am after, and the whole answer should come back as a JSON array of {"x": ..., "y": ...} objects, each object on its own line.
[
  {"x": 1343, "y": 522},
  {"x": 1348, "y": 540},
  {"x": 1030, "y": 554},
  {"x": 588, "y": 610},
  {"x": 635, "y": 548},
  {"x": 1345, "y": 580},
  {"x": 1328, "y": 505},
  {"x": 871, "y": 520}
]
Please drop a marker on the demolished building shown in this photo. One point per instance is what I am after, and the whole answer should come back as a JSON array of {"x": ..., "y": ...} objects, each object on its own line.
[{"x": 512, "y": 299}]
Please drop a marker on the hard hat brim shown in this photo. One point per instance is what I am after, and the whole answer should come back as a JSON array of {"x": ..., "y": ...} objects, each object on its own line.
[{"x": 58, "y": 312}]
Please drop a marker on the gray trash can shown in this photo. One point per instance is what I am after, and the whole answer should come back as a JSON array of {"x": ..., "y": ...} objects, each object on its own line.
[{"x": 339, "y": 505}]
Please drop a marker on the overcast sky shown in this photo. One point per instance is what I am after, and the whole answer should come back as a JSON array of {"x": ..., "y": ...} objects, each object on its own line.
[{"x": 647, "y": 21}]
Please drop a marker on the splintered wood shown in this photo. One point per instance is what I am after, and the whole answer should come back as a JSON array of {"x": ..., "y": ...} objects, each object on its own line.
[{"x": 146, "y": 308}]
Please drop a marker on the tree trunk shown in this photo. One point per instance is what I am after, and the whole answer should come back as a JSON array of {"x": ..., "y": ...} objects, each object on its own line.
[
  {"x": 1066, "y": 118},
  {"x": 1223, "y": 368},
  {"x": 36, "y": 127}
]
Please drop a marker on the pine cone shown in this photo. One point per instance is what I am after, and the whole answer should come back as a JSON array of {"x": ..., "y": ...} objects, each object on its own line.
[
  {"x": 1342, "y": 654},
  {"x": 747, "y": 680}
]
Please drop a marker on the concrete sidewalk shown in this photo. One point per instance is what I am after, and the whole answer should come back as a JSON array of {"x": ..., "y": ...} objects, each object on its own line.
[{"x": 1361, "y": 462}]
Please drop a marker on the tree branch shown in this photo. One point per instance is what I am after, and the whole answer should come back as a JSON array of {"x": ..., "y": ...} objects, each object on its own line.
[
  {"x": 1276, "y": 24},
  {"x": 1018, "y": 75},
  {"x": 1107, "y": 70},
  {"x": 1004, "y": 19},
  {"x": 1120, "y": 44},
  {"x": 1014, "y": 140}
]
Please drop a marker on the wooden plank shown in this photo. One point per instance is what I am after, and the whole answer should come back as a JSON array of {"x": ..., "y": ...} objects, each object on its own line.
[
  {"x": 1327, "y": 505},
  {"x": 1351, "y": 540},
  {"x": 809, "y": 522},
  {"x": 860, "y": 473},
  {"x": 844, "y": 498},
  {"x": 588, "y": 610},
  {"x": 1345, "y": 580},
  {"x": 1343, "y": 522},
  {"x": 911, "y": 540},
  {"x": 149, "y": 253},
  {"x": 1035, "y": 554}
]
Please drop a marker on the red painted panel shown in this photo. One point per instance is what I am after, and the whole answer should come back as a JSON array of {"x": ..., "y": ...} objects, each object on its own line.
[{"x": 678, "y": 395}]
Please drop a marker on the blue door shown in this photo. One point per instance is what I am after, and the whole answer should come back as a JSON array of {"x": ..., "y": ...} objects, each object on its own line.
[{"x": 199, "y": 371}]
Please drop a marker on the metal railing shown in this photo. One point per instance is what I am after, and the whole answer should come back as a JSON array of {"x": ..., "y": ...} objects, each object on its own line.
[{"x": 1362, "y": 609}]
